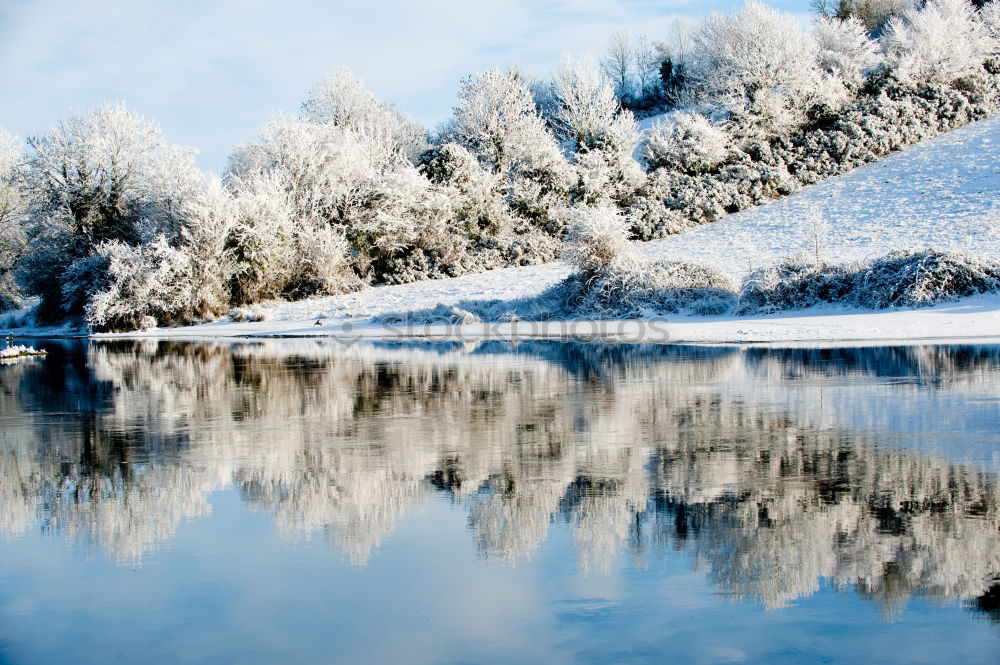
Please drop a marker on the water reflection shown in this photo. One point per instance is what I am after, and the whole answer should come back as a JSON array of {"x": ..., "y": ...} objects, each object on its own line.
[{"x": 770, "y": 469}]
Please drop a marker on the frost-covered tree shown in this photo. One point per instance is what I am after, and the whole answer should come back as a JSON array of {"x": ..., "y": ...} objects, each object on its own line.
[
  {"x": 107, "y": 176},
  {"x": 496, "y": 120},
  {"x": 342, "y": 100},
  {"x": 757, "y": 65},
  {"x": 845, "y": 49},
  {"x": 343, "y": 195},
  {"x": 209, "y": 216},
  {"x": 344, "y": 171},
  {"x": 12, "y": 210},
  {"x": 603, "y": 136},
  {"x": 261, "y": 241},
  {"x": 674, "y": 62},
  {"x": 938, "y": 44},
  {"x": 586, "y": 111}
]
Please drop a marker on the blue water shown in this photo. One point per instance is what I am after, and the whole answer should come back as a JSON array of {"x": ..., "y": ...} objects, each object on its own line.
[{"x": 302, "y": 502}]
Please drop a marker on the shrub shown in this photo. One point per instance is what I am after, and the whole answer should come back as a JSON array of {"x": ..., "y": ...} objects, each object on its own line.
[
  {"x": 899, "y": 279},
  {"x": 793, "y": 283},
  {"x": 148, "y": 285},
  {"x": 912, "y": 279},
  {"x": 627, "y": 289},
  {"x": 688, "y": 143},
  {"x": 597, "y": 238}
]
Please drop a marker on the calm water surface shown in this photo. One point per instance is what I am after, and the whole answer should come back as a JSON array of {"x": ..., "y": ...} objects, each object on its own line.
[{"x": 305, "y": 502}]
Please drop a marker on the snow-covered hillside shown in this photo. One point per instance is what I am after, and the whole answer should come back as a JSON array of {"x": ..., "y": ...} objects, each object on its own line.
[{"x": 941, "y": 193}]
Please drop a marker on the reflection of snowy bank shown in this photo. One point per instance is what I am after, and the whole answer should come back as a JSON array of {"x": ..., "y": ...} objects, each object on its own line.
[{"x": 641, "y": 451}]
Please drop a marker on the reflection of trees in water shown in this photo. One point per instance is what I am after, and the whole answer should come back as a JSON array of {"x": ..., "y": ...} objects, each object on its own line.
[{"x": 636, "y": 448}]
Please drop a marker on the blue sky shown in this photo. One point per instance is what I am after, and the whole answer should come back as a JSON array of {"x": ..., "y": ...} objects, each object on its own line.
[{"x": 212, "y": 72}]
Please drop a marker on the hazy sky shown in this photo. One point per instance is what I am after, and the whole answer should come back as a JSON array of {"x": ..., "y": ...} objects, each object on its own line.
[{"x": 213, "y": 71}]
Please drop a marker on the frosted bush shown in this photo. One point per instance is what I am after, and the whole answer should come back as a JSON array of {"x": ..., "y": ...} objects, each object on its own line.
[
  {"x": 671, "y": 202},
  {"x": 891, "y": 118},
  {"x": 597, "y": 238},
  {"x": 795, "y": 282},
  {"x": 149, "y": 285},
  {"x": 451, "y": 164},
  {"x": 940, "y": 43},
  {"x": 899, "y": 279},
  {"x": 907, "y": 279},
  {"x": 687, "y": 142},
  {"x": 249, "y": 313},
  {"x": 410, "y": 231},
  {"x": 84, "y": 278},
  {"x": 321, "y": 264},
  {"x": 646, "y": 288}
]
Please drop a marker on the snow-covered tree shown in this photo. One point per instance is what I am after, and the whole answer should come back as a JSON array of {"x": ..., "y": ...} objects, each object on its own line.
[
  {"x": 261, "y": 241},
  {"x": 340, "y": 99},
  {"x": 497, "y": 121},
  {"x": 989, "y": 14},
  {"x": 603, "y": 136},
  {"x": 101, "y": 177},
  {"x": 148, "y": 285},
  {"x": 942, "y": 42},
  {"x": 674, "y": 62},
  {"x": 845, "y": 49},
  {"x": 323, "y": 170},
  {"x": 209, "y": 216},
  {"x": 586, "y": 111},
  {"x": 757, "y": 65},
  {"x": 343, "y": 192},
  {"x": 12, "y": 210}
]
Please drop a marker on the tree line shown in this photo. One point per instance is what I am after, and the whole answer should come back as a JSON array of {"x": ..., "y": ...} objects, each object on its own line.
[{"x": 106, "y": 222}]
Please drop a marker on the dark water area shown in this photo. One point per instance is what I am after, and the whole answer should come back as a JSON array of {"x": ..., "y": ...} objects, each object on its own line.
[{"x": 299, "y": 501}]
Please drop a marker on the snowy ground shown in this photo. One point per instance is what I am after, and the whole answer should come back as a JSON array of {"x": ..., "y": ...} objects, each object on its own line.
[{"x": 941, "y": 194}]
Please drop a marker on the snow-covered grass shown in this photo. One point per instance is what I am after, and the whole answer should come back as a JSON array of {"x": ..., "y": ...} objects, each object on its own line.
[{"x": 940, "y": 194}]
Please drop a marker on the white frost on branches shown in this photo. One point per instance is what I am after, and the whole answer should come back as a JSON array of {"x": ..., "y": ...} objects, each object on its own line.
[
  {"x": 940, "y": 43},
  {"x": 756, "y": 63}
]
